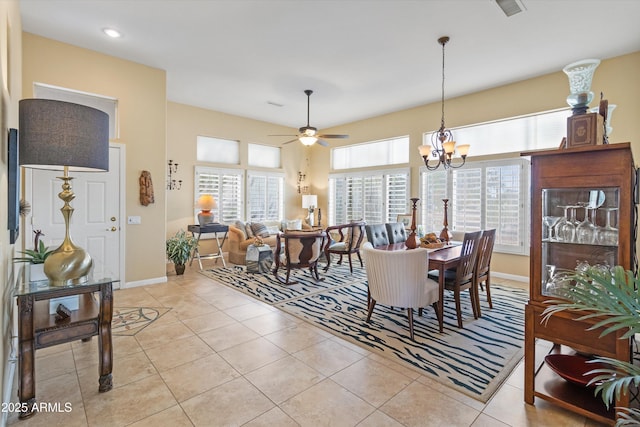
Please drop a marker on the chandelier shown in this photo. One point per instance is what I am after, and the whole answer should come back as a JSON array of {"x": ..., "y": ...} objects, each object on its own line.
[{"x": 442, "y": 145}]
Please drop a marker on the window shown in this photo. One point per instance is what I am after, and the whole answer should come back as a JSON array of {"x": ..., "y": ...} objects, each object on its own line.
[
  {"x": 265, "y": 196},
  {"x": 218, "y": 150},
  {"x": 226, "y": 187},
  {"x": 516, "y": 134},
  {"x": 264, "y": 156},
  {"x": 374, "y": 196},
  {"x": 378, "y": 153},
  {"x": 482, "y": 195}
]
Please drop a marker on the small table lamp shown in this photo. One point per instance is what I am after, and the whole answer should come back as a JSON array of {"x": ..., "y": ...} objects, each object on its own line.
[
  {"x": 59, "y": 135},
  {"x": 206, "y": 202},
  {"x": 310, "y": 201}
]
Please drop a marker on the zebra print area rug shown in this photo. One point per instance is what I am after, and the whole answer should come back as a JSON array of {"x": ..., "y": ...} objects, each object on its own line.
[
  {"x": 474, "y": 360},
  {"x": 266, "y": 288}
]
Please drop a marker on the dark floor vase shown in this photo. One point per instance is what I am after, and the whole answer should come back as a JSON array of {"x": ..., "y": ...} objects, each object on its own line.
[{"x": 179, "y": 268}]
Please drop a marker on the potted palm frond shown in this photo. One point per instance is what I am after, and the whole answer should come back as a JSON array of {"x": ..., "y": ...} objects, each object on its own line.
[
  {"x": 613, "y": 297},
  {"x": 179, "y": 249}
]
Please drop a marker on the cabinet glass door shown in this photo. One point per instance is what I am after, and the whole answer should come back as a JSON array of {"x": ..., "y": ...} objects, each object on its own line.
[{"x": 579, "y": 229}]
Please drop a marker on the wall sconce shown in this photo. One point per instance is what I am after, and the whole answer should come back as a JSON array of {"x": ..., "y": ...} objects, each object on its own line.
[
  {"x": 173, "y": 184},
  {"x": 302, "y": 189},
  {"x": 310, "y": 202}
]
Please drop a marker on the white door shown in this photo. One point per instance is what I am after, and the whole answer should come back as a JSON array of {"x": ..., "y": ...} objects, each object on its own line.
[{"x": 95, "y": 223}]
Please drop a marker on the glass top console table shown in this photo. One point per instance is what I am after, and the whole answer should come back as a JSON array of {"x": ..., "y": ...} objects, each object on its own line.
[{"x": 37, "y": 329}]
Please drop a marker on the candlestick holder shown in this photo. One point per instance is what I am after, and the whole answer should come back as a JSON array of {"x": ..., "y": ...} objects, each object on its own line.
[
  {"x": 412, "y": 240},
  {"x": 444, "y": 234}
]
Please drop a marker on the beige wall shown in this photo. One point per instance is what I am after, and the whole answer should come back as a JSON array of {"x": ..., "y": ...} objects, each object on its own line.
[
  {"x": 617, "y": 78},
  {"x": 141, "y": 95},
  {"x": 185, "y": 123},
  {"x": 10, "y": 93}
]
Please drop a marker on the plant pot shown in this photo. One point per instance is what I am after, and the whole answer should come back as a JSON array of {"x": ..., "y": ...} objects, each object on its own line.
[
  {"x": 179, "y": 268},
  {"x": 36, "y": 273}
]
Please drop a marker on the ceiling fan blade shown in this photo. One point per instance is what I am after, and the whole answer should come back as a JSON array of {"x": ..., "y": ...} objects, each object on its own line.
[
  {"x": 322, "y": 142},
  {"x": 289, "y": 142},
  {"x": 283, "y": 135},
  {"x": 333, "y": 136}
]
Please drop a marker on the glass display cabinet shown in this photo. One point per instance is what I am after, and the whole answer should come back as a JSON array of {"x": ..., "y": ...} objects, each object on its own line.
[{"x": 582, "y": 214}]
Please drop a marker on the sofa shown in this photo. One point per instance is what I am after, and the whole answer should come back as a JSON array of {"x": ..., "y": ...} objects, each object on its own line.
[{"x": 242, "y": 234}]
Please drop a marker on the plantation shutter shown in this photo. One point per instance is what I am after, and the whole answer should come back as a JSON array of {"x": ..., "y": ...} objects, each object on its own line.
[
  {"x": 466, "y": 205},
  {"x": 502, "y": 199},
  {"x": 397, "y": 195},
  {"x": 265, "y": 197},
  {"x": 433, "y": 186},
  {"x": 225, "y": 185},
  {"x": 373, "y": 202}
]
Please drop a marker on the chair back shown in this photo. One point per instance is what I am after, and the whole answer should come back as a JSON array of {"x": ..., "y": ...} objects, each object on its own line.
[
  {"x": 302, "y": 248},
  {"x": 468, "y": 256},
  {"x": 350, "y": 235},
  {"x": 377, "y": 234},
  {"x": 396, "y": 231},
  {"x": 485, "y": 250},
  {"x": 399, "y": 278}
]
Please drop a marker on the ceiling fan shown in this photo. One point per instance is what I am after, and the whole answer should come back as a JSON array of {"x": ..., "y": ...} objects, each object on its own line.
[{"x": 308, "y": 134}]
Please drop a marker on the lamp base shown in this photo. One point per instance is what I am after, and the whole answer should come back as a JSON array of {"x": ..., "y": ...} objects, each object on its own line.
[
  {"x": 205, "y": 218},
  {"x": 68, "y": 265}
]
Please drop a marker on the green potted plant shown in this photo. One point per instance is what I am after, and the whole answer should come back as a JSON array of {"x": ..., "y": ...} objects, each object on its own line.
[
  {"x": 36, "y": 257},
  {"x": 613, "y": 296},
  {"x": 179, "y": 249}
]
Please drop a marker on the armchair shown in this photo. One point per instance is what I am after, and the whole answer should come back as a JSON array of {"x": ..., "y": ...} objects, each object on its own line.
[
  {"x": 399, "y": 279},
  {"x": 300, "y": 250},
  {"x": 344, "y": 239}
]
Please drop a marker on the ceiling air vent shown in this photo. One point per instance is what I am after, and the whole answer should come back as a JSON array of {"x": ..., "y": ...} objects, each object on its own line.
[{"x": 511, "y": 7}]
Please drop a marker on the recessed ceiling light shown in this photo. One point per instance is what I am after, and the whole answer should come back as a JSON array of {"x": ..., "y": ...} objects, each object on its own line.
[{"x": 111, "y": 32}]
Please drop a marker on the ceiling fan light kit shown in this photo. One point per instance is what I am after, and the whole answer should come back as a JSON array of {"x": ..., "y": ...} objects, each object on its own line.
[
  {"x": 308, "y": 135},
  {"x": 443, "y": 146}
]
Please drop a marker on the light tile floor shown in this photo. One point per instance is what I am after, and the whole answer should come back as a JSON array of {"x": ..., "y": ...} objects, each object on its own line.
[{"x": 220, "y": 358}]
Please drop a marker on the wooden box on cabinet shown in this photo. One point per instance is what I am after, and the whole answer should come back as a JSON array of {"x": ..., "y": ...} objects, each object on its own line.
[{"x": 560, "y": 181}]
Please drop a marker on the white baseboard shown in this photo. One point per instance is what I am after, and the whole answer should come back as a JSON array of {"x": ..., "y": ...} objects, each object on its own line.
[
  {"x": 145, "y": 282},
  {"x": 514, "y": 277}
]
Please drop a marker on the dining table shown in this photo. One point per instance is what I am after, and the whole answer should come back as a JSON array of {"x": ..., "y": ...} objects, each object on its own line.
[{"x": 440, "y": 259}]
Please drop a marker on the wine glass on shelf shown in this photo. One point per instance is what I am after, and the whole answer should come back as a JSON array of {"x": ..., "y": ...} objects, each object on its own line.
[
  {"x": 608, "y": 235},
  {"x": 566, "y": 227},
  {"x": 561, "y": 223},
  {"x": 550, "y": 222},
  {"x": 586, "y": 230}
]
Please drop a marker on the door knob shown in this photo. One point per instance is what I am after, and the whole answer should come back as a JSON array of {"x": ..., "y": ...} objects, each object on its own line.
[{"x": 112, "y": 229}]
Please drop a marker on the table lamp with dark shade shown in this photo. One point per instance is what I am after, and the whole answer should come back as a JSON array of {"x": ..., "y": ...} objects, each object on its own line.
[{"x": 57, "y": 135}]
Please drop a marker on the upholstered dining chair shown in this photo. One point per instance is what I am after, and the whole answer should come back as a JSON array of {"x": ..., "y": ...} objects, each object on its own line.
[
  {"x": 396, "y": 232},
  {"x": 344, "y": 239},
  {"x": 399, "y": 279},
  {"x": 298, "y": 249},
  {"x": 463, "y": 277},
  {"x": 377, "y": 234},
  {"x": 483, "y": 266}
]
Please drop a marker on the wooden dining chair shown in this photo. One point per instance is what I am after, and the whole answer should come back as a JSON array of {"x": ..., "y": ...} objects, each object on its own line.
[
  {"x": 301, "y": 249},
  {"x": 483, "y": 266},
  {"x": 462, "y": 278},
  {"x": 344, "y": 239},
  {"x": 399, "y": 279}
]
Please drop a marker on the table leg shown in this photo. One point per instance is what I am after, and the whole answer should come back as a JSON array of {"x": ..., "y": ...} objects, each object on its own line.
[
  {"x": 26, "y": 357},
  {"x": 220, "y": 253},
  {"x": 441, "y": 289},
  {"x": 105, "y": 348}
]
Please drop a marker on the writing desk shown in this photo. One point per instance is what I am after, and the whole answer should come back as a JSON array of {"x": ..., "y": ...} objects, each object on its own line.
[
  {"x": 198, "y": 230},
  {"x": 38, "y": 329},
  {"x": 440, "y": 259}
]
